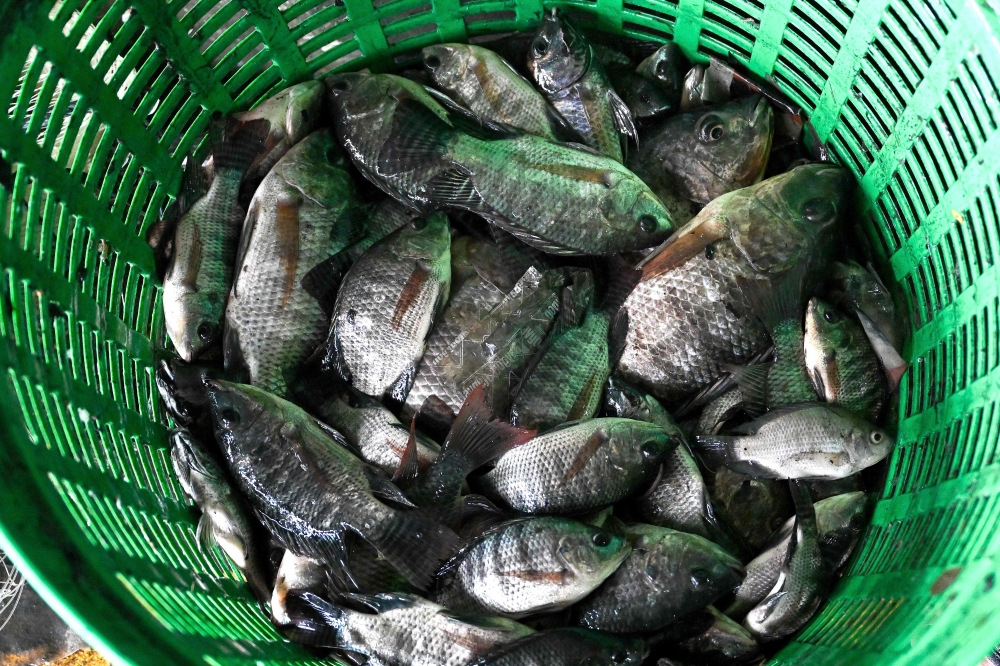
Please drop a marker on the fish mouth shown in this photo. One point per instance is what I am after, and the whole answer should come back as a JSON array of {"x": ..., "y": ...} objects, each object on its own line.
[{"x": 759, "y": 110}]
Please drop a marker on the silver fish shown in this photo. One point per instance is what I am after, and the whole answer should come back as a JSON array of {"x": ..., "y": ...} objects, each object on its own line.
[
  {"x": 386, "y": 306},
  {"x": 295, "y": 573}
]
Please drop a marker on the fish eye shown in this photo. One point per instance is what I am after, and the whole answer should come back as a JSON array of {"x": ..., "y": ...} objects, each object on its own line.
[
  {"x": 340, "y": 84},
  {"x": 817, "y": 210},
  {"x": 700, "y": 576},
  {"x": 876, "y": 436},
  {"x": 619, "y": 656},
  {"x": 432, "y": 61},
  {"x": 651, "y": 448},
  {"x": 601, "y": 539},
  {"x": 831, "y": 316},
  {"x": 206, "y": 330},
  {"x": 419, "y": 223},
  {"x": 648, "y": 223},
  {"x": 711, "y": 128},
  {"x": 653, "y": 571},
  {"x": 661, "y": 69},
  {"x": 540, "y": 46},
  {"x": 230, "y": 416}
]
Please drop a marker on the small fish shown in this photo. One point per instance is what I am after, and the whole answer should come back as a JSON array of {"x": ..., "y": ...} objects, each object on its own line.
[
  {"x": 401, "y": 629},
  {"x": 719, "y": 643},
  {"x": 865, "y": 291},
  {"x": 289, "y": 266},
  {"x": 805, "y": 441},
  {"x": 842, "y": 364},
  {"x": 386, "y": 306},
  {"x": 563, "y": 65},
  {"x": 309, "y": 490},
  {"x": 205, "y": 242},
  {"x": 225, "y": 522},
  {"x": 553, "y": 196},
  {"x": 643, "y": 96},
  {"x": 699, "y": 156},
  {"x": 839, "y": 519},
  {"x": 487, "y": 84},
  {"x": 687, "y": 317},
  {"x": 668, "y": 575},
  {"x": 295, "y": 573},
  {"x": 802, "y": 582},
  {"x": 530, "y": 565},
  {"x": 679, "y": 499},
  {"x": 579, "y": 466},
  {"x": 569, "y": 646},
  {"x": 666, "y": 67}
]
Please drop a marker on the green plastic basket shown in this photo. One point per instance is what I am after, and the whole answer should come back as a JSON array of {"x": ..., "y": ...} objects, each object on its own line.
[{"x": 102, "y": 99}]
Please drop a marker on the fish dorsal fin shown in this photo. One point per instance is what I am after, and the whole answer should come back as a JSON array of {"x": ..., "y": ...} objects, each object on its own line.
[
  {"x": 407, "y": 469},
  {"x": 755, "y": 426},
  {"x": 477, "y": 437},
  {"x": 752, "y": 382},
  {"x": 775, "y": 300}
]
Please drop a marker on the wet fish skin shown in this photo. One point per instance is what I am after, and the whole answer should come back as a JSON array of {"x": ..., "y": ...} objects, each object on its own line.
[
  {"x": 668, "y": 575},
  {"x": 530, "y": 565},
  {"x": 384, "y": 218},
  {"x": 305, "y": 212},
  {"x": 569, "y": 646},
  {"x": 667, "y": 67},
  {"x": 487, "y": 84},
  {"x": 386, "y": 306},
  {"x": 579, "y": 466},
  {"x": 687, "y": 316},
  {"x": 564, "y": 67},
  {"x": 722, "y": 642},
  {"x": 841, "y": 362},
  {"x": 711, "y": 418},
  {"x": 804, "y": 441},
  {"x": 295, "y": 573},
  {"x": 642, "y": 95},
  {"x": 225, "y": 521},
  {"x": 403, "y": 630},
  {"x": 309, "y": 490},
  {"x": 751, "y": 507},
  {"x": 563, "y": 200},
  {"x": 864, "y": 290}
]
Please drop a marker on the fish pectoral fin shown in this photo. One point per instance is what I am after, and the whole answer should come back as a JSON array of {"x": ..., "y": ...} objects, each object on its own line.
[
  {"x": 383, "y": 489},
  {"x": 327, "y": 546},
  {"x": 752, "y": 381},
  {"x": 408, "y": 468},
  {"x": 623, "y": 119},
  {"x": 685, "y": 243},
  {"x": 454, "y": 186},
  {"x": 205, "y": 533}
]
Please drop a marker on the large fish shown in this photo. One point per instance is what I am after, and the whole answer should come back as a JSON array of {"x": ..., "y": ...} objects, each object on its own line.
[
  {"x": 692, "y": 158},
  {"x": 563, "y": 65},
  {"x": 304, "y": 214},
  {"x": 579, "y": 466},
  {"x": 530, "y": 565},
  {"x": 401, "y": 630},
  {"x": 687, "y": 317},
  {"x": 552, "y": 196},
  {"x": 804, "y": 441},
  {"x": 569, "y": 646},
  {"x": 487, "y": 84},
  {"x": 840, "y": 359},
  {"x": 310, "y": 490},
  {"x": 386, "y": 306},
  {"x": 205, "y": 242},
  {"x": 668, "y": 575}
]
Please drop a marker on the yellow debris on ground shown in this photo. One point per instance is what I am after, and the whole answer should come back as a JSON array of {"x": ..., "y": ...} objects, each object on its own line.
[{"x": 83, "y": 658}]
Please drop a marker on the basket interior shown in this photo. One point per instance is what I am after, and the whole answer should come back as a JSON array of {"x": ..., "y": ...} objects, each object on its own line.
[{"x": 102, "y": 99}]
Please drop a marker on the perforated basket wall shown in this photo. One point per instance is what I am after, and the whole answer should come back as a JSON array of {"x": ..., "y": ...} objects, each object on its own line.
[{"x": 101, "y": 100}]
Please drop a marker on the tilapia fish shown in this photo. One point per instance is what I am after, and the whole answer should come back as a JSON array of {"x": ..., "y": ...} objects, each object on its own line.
[
  {"x": 402, "y": 630},
  {"x": 667, "y": 67},
  {"x": 309, "y": 489},
  {"x": 568, "y": 646},
  {"x": 386, "y": 306},
  {"x": 205, "y": 242},
  {"x": 804, "y": 441},
  {"x": 530, "y": 565},
  {"x": 843, "y": 366},
  {"x": 550, "y": 195},
  {"x": 383, "y": 218},
  {"x": 668, "y": 575},
  {"x": 697, "y": 157},
  {"x": 303, "y": 574},
  {"x": 719, "y": 643},
  {"x": 579, "y": 466},
  {"x": 563, "y": 65},
  {"x": 224, "y": 522},
  {"x": 292, "y": 115},
  {"x": 305, "y": 212},
  {"x": 486, "y": 83},
  {"x": 687, "y": 317},
  {"x": 642, "y": 95},
  {"x": 863, "y": 289},
  {"x": 751, "y": 507}
]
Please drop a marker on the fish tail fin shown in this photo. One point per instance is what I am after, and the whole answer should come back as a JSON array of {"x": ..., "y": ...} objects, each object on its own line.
[
  {"x": 775, "y": 301},
  {"x": 752, "y": 382},
  {"x": 407, "y": 469},
  {"x": 313, "y": 620},
  {"x": 714, "y": 450},
  {"x": 477, "y": 437},
  {"x": 237, "y": 143},
  {"x": 415, "y": 545}
]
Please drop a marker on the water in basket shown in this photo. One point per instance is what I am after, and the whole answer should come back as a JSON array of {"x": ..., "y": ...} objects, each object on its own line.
[{"x": 101, "y": 100}]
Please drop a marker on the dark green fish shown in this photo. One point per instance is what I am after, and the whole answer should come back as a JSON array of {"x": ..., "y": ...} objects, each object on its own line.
[
  {"x": 687, "y": 317},
  {"x": 563, "y": 65},
  {"x": 666, "y": 67},
  {"x": 225, "y": 522},
  {"x": 802, "y": 582},
  {"x": 552, "y": 196},
  {"x": 668, "y": 575},
  {"x": 569, "y": 646},
  {"x": 304, "y": 214},
  {"x": 752, "y": 508},
  {"x": 530, "y": 565},
  {"x": 643, "y": 96},
  {"x": 718, "y": 642},
  {"x": 843, "y": 366},
  {"x": 863, "y": 289},
  {"x": 310, "y": 490}
]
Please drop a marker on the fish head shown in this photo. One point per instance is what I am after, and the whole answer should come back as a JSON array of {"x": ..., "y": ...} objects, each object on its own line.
[
  {"x": 427, "y": 237},
  {"x": 717, "y": 149},
  {"x": 363, "y": 106},
  {"x": 302, "y": 114},
  {"x": 632, "y": 208},
  {"x": 559, "y": 54},
  {"x": 192, "y": 319},
  {"x": 638, "y": 441},
  {"x": 645, "y": 99},
  {"x": 236, "y": 408},
  {"x": 448, "y": 63},
  {"x": 667, "y": 67},
  {"x": 871, "y": 444},
  {"x": 829, "y": 338},
  {"x": 591, "y": 553},
  {"x": 788, "y": 219},
  {"x": 868, "y": 293},
  {"x": 846, "y": 511},
  {"x": 688, "y": 566}
]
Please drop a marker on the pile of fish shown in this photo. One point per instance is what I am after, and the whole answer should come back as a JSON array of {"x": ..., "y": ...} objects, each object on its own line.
[{"x": 550, "y": 353}]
